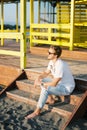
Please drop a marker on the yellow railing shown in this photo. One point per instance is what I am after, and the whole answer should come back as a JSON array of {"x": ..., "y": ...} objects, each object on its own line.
[
  {"x": 9, "y": 32},
  {"x": 10, "y": 35},
  {"x": 57, "y": 34}
]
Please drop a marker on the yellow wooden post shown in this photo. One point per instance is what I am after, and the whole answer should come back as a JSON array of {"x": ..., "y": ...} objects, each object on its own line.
[
  {"x": 72, "y": 24},
  {"x": 17, "y": 19},
  {"x": 23, "y": 33},
  {"x": 31, "y": 19},
  {"x": 2, "y": 22}
]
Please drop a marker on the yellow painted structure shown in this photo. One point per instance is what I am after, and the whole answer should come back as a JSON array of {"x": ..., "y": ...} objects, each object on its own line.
[
  {"x": 69, "y": 29},
  {"x": 59, "y": 23},
  {"x": 14, "y": 34}
]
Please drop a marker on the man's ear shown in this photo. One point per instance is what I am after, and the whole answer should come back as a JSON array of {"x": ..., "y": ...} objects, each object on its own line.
[{"x": 56, "y": 56}]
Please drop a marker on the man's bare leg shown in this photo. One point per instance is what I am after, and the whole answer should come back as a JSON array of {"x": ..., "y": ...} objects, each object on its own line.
[
  {"x": 34, "y": 114},
  {"x": 50, "y": 100}
]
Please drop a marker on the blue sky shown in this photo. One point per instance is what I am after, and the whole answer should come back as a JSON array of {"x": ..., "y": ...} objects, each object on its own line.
[{"x": 10, "y": 13}]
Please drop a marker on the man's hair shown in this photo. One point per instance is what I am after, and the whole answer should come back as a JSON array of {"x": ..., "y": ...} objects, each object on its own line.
[{"x": 58, "y": 50}]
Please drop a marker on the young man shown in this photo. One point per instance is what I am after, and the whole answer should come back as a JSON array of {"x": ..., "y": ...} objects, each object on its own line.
[{"x": 62, "y": 82}]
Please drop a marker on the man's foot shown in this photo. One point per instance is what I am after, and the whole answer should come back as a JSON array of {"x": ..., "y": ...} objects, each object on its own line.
[
  {"x": 50, "y": 101},
  {"x": 32, "y": 115}
]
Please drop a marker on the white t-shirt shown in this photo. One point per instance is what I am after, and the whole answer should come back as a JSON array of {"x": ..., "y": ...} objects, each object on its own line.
[{"x": 60, "y": 69}]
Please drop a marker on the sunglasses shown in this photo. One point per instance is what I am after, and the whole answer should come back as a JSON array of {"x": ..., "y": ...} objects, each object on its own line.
[{"x": 50, "y": 53}]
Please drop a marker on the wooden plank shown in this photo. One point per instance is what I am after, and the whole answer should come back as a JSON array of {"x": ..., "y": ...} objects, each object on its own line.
[
  {"x": 74, "y": 98},
  {"x": 6, "y": 80},
  {"x": 27, "y": 87},
  {"x": 82, "y": 107},
  {"x": 21, "y": 99},
  {"x": 9, "y": 84},
  {"x": 32, "y": 74},
  {"x": 8, "y": 74},
  {"x": 9, "y": 70}
]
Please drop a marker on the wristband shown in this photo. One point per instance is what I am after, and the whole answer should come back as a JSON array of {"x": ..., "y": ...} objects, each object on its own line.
[{"x": 42, "y": 84}]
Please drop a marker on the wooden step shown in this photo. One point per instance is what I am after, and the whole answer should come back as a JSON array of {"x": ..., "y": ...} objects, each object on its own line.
[
  {"x": 81, "y": 84},
  {"x": 32, "y": 74},
  {"x": 61, "y": 108},
  {"x": 75, "y": 97},
  {"x": 27, "y": 86}
]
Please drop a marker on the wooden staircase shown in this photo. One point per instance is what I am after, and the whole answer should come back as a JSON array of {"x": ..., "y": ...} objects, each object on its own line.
[{"x": 25, "y": 92}]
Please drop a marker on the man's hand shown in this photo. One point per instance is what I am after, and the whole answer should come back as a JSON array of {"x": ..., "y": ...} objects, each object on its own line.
[
  {"x": 37, "y": 82},
  {"x": 45, "y": 85}
]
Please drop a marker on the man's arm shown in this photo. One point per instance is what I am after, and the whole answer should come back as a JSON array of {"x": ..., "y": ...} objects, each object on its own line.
[
  {"x": 44, "y": 74},
  {"x": 40, "y": 77},
  {"x": 52, "y": 83}
]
